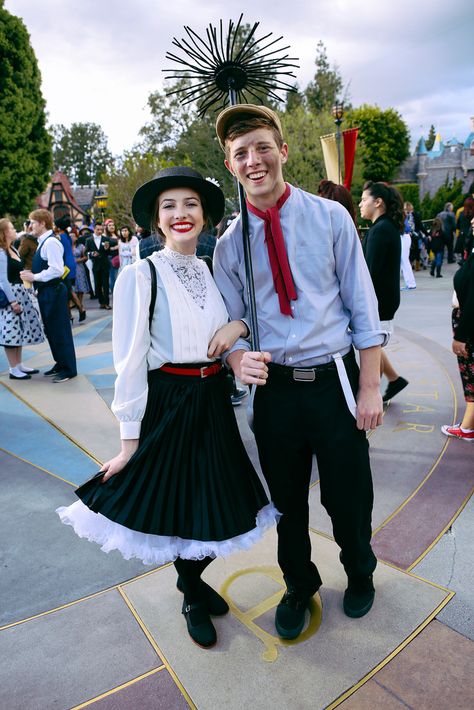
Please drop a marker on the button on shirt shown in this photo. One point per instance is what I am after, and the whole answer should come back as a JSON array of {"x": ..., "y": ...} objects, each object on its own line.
[
  {"x": 336, "y": 305},
  {"x": 53, "y": 253}
]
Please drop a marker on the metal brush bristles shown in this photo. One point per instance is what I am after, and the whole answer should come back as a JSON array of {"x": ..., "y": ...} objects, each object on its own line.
[{"x": 218, "y": 71}]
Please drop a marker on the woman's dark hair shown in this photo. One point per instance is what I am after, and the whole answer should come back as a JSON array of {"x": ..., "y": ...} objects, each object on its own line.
[
  {"x": 391, "y": 199},
  {"x": 468, "y": 205},
  {"x": 437, "y": 225},
  {"x": 338, "y": 193}
]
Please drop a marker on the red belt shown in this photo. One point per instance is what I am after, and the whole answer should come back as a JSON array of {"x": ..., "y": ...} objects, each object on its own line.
[{"x": 205, "y": 371}]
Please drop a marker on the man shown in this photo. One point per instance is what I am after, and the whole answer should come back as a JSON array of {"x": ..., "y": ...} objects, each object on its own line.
[
  {"x": 97, "y": 248},
  {"x": 311, "y": 284},
  {"x": 449, "y": 228},
  {"x": 382, "y": 205},
  {"x": 46, "y": 274},
  {"x": 64, "y": 224}
]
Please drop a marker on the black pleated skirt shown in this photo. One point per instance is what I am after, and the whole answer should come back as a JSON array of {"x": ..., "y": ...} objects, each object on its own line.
[{"x": 190, "y": 480}]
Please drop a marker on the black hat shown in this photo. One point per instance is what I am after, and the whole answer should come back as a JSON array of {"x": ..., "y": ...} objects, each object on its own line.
[
  {"x": 84, "y": 228},
  {"x": 144, "y": 200}
]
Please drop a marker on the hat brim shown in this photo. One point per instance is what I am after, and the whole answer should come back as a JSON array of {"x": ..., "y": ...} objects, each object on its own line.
[
  {"x": 144, "y": 200},
  {"x": 231, "y": 113}
]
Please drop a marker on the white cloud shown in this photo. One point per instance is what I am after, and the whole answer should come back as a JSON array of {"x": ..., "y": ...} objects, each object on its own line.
[{"x": 100, "y": 60}]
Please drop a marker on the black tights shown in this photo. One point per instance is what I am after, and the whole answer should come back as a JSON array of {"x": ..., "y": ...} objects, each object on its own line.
[{"x": 190, "y": 572}]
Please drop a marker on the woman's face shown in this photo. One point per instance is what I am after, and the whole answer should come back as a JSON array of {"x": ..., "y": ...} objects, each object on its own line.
[
  {"x": 125, "y": 232},
  {"x": 110, "y": 228},
  {"x": 368, "y": 205},
  {"x": 10, "y": 233},
  {"x": 180, "y": 218}
]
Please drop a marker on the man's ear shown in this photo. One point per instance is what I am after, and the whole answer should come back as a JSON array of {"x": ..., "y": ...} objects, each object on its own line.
[
  {"x": 229, "y": 167},
  {"x": 284, "y": 153}
]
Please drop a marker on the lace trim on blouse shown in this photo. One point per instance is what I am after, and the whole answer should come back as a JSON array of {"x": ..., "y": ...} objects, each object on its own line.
[{"x": 188, "y": 269}]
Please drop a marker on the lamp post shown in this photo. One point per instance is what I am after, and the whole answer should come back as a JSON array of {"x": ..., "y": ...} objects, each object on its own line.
[{"x": 338, "y": 113}]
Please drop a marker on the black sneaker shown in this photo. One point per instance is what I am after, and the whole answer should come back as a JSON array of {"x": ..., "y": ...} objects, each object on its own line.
[
  {"x": 290, "y": 613},
  {"x": 216, "y": 605},
  {"x": 62, "y": 377},
  {"x": 237, "y": 396},
  {"x": 200, "y": 626},
  {"x": 359, "y": 596},
  {"x": 394, "y": 388},
  {"x": 53, "y": 371}
]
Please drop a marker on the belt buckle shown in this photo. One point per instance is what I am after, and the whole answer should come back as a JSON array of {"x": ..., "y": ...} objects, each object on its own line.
[
  {"x": 300, "y": 375},
  {"x": 203, "y": 373}
]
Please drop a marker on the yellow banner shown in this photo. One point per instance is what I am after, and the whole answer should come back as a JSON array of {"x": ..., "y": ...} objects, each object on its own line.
[{"x": 329, "y": 147}]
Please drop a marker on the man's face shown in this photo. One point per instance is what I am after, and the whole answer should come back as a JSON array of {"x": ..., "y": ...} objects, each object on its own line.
[
  {"x": 256, "y": 161},
  {"x": 98, "y": 230},
  {"x": 37, "y": 228}
]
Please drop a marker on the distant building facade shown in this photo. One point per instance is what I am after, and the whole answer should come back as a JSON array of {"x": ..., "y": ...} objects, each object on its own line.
[{"x": 450, "y": 161}]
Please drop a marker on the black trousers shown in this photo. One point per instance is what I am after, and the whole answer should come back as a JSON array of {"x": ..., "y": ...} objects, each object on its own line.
[
  {"x": 53, "y": 303},
  {"x": 292, "y": 421},
  {"x": 101, "y": 278}
]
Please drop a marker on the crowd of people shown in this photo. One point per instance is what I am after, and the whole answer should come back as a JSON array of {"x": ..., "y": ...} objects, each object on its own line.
[{"x": 181, "y": 488}]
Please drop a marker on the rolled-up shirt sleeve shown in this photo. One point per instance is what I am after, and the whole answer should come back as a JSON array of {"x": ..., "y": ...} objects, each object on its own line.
[
  {"x": 226, "y": 276},
  {"x": 356, "y": 287},
  {"x": 131, "y": 344}
]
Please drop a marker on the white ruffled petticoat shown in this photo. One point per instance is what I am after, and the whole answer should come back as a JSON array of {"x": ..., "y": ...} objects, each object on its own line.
[{"x": 158, "y": 549}]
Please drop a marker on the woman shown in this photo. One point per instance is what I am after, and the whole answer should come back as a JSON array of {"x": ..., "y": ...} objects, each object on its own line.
[
  {"x": 437, "y": 241},
  {"x": 111, "y": 233},
  {"x": 464, "y": 242},
  {"x": 382, "y": 205},
  {"x": 338, "y": 193},
  {"x": 81, "y": 285},
  {"x": 463, "y": 344},
  {"x": 19, "y": 321},
  {"x": 128, "y": 247},
  {"x": 182, "y": 488}
]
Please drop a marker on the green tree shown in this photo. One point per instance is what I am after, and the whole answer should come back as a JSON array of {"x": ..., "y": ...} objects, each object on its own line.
[
  {"x": 128, "y": 173},
  {"x": 385, "y": 138},
  {"x": 431, "y": 138},
  {"x": 81, "y": 152},
  {"x": 410, "y": 192},
  {"x": 326, "y": 87},
  {"x": 25, "y": 145}
]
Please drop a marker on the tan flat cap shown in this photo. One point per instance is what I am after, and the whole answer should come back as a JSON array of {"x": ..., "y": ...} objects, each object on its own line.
[{"x": 232, "y": 113}]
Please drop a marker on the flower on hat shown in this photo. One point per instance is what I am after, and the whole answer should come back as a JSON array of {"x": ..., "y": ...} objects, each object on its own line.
[{"x": 214, "y": 181}]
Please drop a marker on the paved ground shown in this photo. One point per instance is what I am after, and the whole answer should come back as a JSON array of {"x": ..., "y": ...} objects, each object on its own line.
[{"x": 79, "y": 627}]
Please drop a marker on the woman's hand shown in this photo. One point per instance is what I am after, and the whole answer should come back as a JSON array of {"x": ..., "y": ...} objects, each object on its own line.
[
  {"x": 16, "y": 308},
  {"x": 253, "y": 368},
  {"x": 115, "y": 465},
  {"x": 226, "y": 337},
  {"x": 459, "y": 348}
]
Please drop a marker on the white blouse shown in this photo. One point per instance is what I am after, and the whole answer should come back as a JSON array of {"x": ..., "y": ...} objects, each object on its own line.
[{"x": 188, "y": 311}]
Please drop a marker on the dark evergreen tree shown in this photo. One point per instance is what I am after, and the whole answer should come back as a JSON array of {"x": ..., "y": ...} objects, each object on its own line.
[
  {"x": 431, "y": 138},
  {"x": 25, "y": 145},
  {"x": 81, "y": 152},
  {"x": 326, "y": 87}
]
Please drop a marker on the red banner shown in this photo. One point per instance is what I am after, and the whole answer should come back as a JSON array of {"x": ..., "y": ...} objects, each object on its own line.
[{"x": 350, "y": 139}]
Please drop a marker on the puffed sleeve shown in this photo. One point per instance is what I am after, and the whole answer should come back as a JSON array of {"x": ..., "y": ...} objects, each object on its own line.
[
  {"x": 131, "y": 344},
  {"x": 4, "y": 283}
]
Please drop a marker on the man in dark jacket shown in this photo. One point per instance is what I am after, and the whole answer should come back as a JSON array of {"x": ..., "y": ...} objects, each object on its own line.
[
  {"x": 98, "y": 248},
  {"x": 449, "y": 228}
]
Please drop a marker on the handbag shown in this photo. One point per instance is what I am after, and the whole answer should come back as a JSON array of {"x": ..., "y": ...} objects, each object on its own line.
[
  {"x": 115, "y": 261},
  {"x": 4, "y": 302}
]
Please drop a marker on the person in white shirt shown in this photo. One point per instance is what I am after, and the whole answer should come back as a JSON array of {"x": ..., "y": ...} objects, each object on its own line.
[
  {"x": 46, "y": 275},
  {"x": 182, "y": 487}
]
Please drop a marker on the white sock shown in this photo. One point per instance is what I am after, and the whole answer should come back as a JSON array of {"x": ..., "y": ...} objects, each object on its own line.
[
  {"x": 17, "y": 372},
  {"x": 466, "y": 431},
  {"x": 25, "y": 368}
]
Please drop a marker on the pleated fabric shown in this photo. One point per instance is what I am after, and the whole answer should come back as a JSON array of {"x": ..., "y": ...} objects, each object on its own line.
[{"x": 190, "y": 489}]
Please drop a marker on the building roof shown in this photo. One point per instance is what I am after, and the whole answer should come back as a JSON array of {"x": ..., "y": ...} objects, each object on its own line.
[{"x": 421, "y": 148}]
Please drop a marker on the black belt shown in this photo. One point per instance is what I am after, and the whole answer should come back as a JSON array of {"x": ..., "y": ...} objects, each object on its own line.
[
  {"x": 40, "y": 285},
  {"x": 305, "y": 374}
]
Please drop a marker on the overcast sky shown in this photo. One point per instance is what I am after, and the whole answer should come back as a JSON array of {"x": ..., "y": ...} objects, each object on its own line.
[{"x": 100, "y": 59}]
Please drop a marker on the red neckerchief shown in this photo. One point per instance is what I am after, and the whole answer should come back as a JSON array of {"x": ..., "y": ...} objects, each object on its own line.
[{"x": 281, "y": 272}]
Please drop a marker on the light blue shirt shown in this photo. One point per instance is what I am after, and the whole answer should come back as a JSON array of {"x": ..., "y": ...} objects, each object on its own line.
[{"x": 336, "y": 305}]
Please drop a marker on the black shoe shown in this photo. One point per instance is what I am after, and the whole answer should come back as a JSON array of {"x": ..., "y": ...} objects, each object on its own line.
[
  {"x": 62, "y": 377},
  {"x": 290, "y": 613},
  {"x": 439, "y": 276},
  {"x": 237, "y": 396},
  {"x": 394, "y": 388},
  {"x": 30, "y": 371},
  {"x": 53, "y": 371},
  {"x": 216, "y": 605},
  {"x": 200, "y": 626},
  {"x": 82, "y": 316},
  {"x": 359, "y": 597},
  {"x": 20, "y": 377}
]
